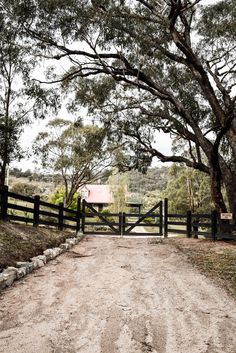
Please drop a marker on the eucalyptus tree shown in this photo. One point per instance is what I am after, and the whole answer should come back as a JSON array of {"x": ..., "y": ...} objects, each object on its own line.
[
  {"x": 188, "y": 189},
  {"x": 79, "y": 153},
  {"x": 118, "y": 183},
  {"x": 151, "y": 65},
  {"x": 21, "y": 98}
]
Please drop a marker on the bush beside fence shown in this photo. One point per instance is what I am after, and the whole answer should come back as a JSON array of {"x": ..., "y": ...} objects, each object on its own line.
[{"x": 37, "y": 212}]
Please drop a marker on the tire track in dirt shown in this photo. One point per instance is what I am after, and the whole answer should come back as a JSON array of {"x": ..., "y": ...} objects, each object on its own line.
[{"x": 130, "y": 296}]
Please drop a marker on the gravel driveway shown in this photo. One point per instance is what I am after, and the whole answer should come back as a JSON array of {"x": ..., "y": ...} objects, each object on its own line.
[{"x": 123, "y": 295}]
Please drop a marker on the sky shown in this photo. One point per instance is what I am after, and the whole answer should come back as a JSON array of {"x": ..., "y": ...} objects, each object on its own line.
[{"x": 163, "y": 141}]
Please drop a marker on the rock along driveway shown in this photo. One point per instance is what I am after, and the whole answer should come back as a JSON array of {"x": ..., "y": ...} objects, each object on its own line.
[{"x": 126, "y": 296}]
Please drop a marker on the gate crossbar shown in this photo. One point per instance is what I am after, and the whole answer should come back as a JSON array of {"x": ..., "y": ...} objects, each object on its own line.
[
  {"x": 109, "y": 224},
  {"x": 143, "y": 217}
]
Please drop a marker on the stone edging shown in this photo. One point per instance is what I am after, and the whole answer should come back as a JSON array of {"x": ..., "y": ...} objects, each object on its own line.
[{"x": 11, "y": 274}]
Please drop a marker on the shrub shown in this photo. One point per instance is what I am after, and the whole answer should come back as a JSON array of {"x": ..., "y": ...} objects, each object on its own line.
[
  {"x": 107, "y": 213},
  {"x": 149, "y": 220},
  {"x": 59, "y": 196},
  {"x": 27, "y": 189}
]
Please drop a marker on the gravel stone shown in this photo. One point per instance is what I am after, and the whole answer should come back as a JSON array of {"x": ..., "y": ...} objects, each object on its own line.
[
  {"x": 10, "y": 274},
  {"x": 43, "y": 258},
  {"x": 21, "y": 272},
  {"x": 65, "y": 247},
  {"x": 58, "y": 251},
  {"x": 2, "y": 281},
  {"x": 49, "y": 253},
  {"x": 37, "y": 262}
]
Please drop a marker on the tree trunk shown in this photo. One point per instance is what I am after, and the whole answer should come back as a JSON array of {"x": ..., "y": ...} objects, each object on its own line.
[
  {"x": 231, "y": 137},
  {"x": 229, "y": 174},
  {"x": 216, "y": 193},
  {"x": 68, "y": 200},
  {"x": 195, "y": 228},
  {"x": 2, "y": 174},
  {"x": 69, "y": 197},
  {"x": 229, "y": 179}
]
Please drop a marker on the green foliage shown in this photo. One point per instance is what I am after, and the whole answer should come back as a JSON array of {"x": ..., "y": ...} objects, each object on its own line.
[
  {"x": 218, "y": 21},
  {"x": 59, "y": 197},
  {"x": 21, "y": 98},
  {"x": 79, "y": 153},
  {"x": 18, "y": 173},
  {"x": 188, "y": 189},
  {"x": 118, "y": 182},
  {"x": 107, "y": 213},
  {"x": 146, "y": 71},
  {"x": 149, "y": 220},
  {"x": 27, "y": 189},
  {"x": 151, "y": 198},
  {"x": 153, "y": 179}
]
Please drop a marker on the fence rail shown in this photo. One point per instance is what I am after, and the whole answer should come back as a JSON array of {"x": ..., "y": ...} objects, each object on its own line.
[
  {"x": 37, "y": 212},
  {"x": 208, "y": 225}
]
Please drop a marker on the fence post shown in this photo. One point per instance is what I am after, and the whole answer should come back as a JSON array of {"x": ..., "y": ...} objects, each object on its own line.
[
  {"x": 120, "y": 223},
  {"x": 36, "y": 210},
  {"x": 4, "y": 203},
  {"x": 214, "y": 224},
  {"x": 189, "y": 224},
  {"x": 83, "y": 216},
  {"x": 234, "y": 213},
  {"x": 78, "y": 214},
  {"x": 165, "y": 218},
  {"x": 60, "y": 216},
  {"x": 161, "y": 218},
  {"x": 123, "y": 224}
]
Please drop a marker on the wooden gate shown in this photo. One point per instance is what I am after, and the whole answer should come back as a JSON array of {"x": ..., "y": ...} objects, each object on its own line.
[
  {"x": 136, "y": 224},
  {"x": 95, "y": 222}
]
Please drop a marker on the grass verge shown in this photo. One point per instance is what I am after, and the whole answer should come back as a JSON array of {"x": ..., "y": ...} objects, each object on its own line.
[
  {"x": 215, "y": 259},
  {"x": 21, "y": 242}
]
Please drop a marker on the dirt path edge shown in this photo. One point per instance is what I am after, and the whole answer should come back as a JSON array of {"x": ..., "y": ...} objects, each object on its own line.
[{"x": 11, "y": 274}]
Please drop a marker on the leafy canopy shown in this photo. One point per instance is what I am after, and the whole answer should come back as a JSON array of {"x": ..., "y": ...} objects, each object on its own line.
[
  {"x": 79, "y": 153},
  {"x": 174, "y": 72}
]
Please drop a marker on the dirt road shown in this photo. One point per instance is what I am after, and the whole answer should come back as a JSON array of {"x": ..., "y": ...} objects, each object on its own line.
[{"x": 126, "y": 296}]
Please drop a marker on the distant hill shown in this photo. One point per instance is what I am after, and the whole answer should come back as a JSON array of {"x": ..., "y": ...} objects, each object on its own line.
[{"x": 155, "y": 179}]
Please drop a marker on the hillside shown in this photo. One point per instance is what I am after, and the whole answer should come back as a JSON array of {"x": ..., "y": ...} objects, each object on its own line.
[{"x": 154, "y": 179}]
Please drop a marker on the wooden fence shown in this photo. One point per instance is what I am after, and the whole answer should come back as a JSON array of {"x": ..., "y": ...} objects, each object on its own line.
[
  {"x": 192, "y": 224},
  {"x": 33, "y": 210}
]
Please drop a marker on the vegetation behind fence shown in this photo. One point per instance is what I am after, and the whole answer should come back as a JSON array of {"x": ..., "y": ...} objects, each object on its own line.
[{"x": 32, "y": 210}]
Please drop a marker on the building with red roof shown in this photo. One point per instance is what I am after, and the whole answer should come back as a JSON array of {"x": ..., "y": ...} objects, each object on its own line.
[{"x": 101, "y": 196}]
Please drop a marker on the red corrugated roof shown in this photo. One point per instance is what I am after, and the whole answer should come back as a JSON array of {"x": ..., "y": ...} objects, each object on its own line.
[{"x": 98, "y": 193}]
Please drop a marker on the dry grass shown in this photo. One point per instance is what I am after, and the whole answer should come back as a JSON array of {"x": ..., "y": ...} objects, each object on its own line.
[
  {"x": 215, "y": 259},
  {"x": 21, "y": 242}
]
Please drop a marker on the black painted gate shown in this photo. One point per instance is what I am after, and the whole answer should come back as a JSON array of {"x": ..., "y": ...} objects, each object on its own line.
[{"x": 149, "y": 223}]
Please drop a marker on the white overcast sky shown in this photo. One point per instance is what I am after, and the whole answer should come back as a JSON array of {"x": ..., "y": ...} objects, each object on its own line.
[{"x": 163, "y": 141}]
